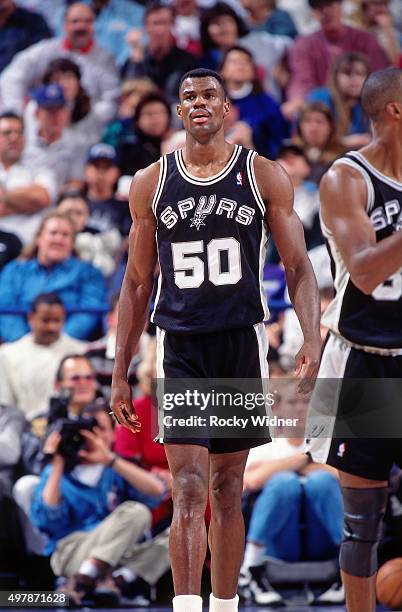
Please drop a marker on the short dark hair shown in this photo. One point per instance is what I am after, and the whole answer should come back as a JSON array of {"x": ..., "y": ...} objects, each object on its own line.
[
  {"x": 203, "y": 73},
  {"x": 290, "y": 149},
  {"x": 59, "y": 373},
  {"x": 50, "y": 299},
  {"x": 316, "y": 4},
  {"x": 379, "y": 88},
  {"x": 11, "y": 115},
  {"x": 220, "y": 9},
  {"x": 157, "y": 5},
  {"x": 148, "y": 98}
]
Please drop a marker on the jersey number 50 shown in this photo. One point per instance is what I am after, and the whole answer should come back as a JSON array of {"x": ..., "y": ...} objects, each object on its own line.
[{"x": 189, "y": 269}]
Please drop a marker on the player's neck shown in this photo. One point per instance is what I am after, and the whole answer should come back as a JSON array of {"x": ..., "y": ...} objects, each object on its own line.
[
  {"x": 207, "y": 158},
  {"x": 385, "y": 153}
]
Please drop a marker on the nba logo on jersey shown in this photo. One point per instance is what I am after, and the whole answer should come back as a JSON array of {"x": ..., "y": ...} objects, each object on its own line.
[
  {"x": 239, "y": 178},
  {"x": 341, "y": 450}
]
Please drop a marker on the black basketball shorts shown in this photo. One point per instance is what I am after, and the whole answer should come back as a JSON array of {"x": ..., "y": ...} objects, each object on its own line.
[
  {"x": 230, "y": 354},
  {"x": 368, "y": 457}
]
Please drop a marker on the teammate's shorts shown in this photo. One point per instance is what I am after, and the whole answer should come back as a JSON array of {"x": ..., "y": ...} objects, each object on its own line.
[
  {"x": 229, "y": 354},
  {"x": 368, "y": 457}
]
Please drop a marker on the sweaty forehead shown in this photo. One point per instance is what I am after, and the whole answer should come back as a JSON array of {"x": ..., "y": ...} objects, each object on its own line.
[{"x": 200, "y": 84}]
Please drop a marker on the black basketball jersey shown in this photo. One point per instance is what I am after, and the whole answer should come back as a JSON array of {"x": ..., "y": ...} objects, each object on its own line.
[
  {"x": 211, "y": 238},
  {"x": 369, "y": 320}
]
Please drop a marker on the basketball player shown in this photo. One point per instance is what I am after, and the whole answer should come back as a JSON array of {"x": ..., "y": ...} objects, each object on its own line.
[
  {"x": 204, "y": 213},
  {"x": 361, "y": 198}
]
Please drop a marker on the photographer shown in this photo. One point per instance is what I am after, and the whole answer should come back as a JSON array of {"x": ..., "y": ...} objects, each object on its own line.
[{"x": 93, "y": 506}]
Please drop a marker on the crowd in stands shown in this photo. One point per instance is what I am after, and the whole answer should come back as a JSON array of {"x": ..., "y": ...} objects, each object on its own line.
[{"x": 88, "y": 92}]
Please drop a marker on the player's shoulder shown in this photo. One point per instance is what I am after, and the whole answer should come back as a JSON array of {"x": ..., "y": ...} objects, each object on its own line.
[
  {"x": 147, "y": 174},
  {"x": 271, "y": 177},
  {"x": 342, "y": 175}
]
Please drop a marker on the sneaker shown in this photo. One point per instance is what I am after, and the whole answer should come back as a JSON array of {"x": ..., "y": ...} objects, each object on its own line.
[
  {"x": 78, "y": 588},
  {"x": 255, "y": 587},
  {"x": 134, "y": 593},
  {"x": 335, "y": 594}
]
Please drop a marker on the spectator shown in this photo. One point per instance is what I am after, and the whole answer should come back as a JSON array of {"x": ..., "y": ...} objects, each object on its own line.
[
  {"x": 102, "y": 352},
  {"x": 316, "y": 135},
  {"x": 265, "y": 16},
  {"x": 132, "y": 91},
  {"x": 186, "y": 29},
  {"x": 298, "y": 514},
  {"x": 50, "y": 144},
  {"x": 256, "y": 107},
  {"x": 96, "y": 515},
  {"x": 348, "y": 74},
  {"x": 306, "y": 202},
  {"x": 311, "y": 57},
  {"x": 19, "y": 29},
  {"x": 150, "y": 128},
  {"x": 10, "y": 247},
  {"x": 301, "y": 14},
  {"x": 49, "y": 9},
  {"x": 73, "y": 203},
  {"x": 222, "y": 28},
  {"x": 12, "y": 424},
  {"x": 28, "y": 366},
  {"x": 160, "y": 59},
  {"x": 26, "y": 187},
  {"x": 377, "y": 18},
  {"x": 99, "y": 74},
  {"x": 49, "y": 266}
]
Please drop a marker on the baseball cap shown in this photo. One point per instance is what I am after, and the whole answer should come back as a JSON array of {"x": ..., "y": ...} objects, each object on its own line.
[
  {"x": 317, "y": 4},
  {"x": 102, "y": 151},
  {"x": 50, "y": 96}
]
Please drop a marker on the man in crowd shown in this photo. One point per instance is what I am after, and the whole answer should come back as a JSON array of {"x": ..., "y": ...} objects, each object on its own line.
[
  {"x": 49, "y": 145},
  {"x": 160, "y": 60},
  {"x": 312, "y": 55},
  {"x": 98, "y": 69},
  {"x": 91, "y": 533},
  {"x": 19, "y": 29},
  {"x": 26, "y": 187},
  {"x": 28, "y": 366}
]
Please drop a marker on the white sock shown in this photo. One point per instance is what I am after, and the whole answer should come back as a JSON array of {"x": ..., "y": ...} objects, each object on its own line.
[
  {"x": 223, "y": 605},
  {"x": 89, "y": 569},
  {"x": 187, "y": 603},
  {"x": 125, "y": 573},
  {"x": 254, "y": 555}
]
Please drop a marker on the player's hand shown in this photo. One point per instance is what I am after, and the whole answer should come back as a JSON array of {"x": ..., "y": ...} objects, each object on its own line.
[
  {"x": 122, "y": 406},
  {"x": 307, "y": 363}
]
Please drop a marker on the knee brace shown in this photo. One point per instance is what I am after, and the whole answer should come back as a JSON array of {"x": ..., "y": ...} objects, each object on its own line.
[{"x": 363, "y": 514}]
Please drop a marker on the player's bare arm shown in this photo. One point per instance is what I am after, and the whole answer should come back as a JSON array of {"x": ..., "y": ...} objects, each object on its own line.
[
  {"x": 136, "y": 290},
  {"x": 287, "y": 232},
  {"x": 343, "y": 194}
]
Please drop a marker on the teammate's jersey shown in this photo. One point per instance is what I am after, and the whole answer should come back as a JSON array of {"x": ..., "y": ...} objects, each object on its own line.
[
  {"x": 369, "y": 320},
  {"x": 211, "y": 238}
]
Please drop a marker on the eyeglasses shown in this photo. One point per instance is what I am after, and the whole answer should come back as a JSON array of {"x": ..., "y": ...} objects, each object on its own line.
[
  {"x": 11, "y": 132},
  {"x": 76, "y": 377}
]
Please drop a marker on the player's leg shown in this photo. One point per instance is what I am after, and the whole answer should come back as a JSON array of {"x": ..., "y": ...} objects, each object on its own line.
[
  {"x": 226, "y": 531},
  {"x": 189, "y": 465},
  {"x": 364, "y": 503}
]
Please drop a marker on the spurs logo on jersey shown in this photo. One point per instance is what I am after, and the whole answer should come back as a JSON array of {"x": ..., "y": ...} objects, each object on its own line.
[
  {"x": 369, "y": 320},
  {"x": 206, "y": 207},
  {"x": 211, "y": 237}
]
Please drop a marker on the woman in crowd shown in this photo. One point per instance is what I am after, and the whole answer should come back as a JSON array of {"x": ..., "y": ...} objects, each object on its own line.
[
  {"x": 348, "y": 74},
  {"x": 316, "y": 135},
  {"x": 256, "y": 107},
  {"x": 48, "y": 265},
  {"x": 222, "y": 28},
  {"x": 151, "y": 126}
]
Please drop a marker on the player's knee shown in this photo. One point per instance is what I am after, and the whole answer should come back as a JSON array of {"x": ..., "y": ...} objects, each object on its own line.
[
  {"x": 320, "y": 483},
  {"x": 285, "y": 483},
  {"x": 226, "y": 491},
  {"x": 190, "y": 491},
  {"x": 364, "y": 511}
]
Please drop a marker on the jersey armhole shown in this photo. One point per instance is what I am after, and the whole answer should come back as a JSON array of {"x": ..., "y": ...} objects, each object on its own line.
[
  {"x": 253, "y": 182},
  {"x": 366, "y": 177},
  {"x": 160, "y": 184}
]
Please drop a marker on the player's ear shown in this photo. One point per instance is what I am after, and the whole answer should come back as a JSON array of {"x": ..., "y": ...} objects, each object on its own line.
[
  {"x": 178, "y": 110},
  {"x": 226, "y": 107},
  {"x": 394, "y": 109}
]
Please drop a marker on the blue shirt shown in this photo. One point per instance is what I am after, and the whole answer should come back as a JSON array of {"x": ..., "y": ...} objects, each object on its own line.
[
  {"x": 78, "y": 283},
  {"x": 81, "y": 507},
  {"x": 21, "y": 30},
  {"x": 359, "y": 123}
]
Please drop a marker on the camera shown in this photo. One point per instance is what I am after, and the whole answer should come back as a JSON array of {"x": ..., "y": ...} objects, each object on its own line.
[{"x": 71, "y": 439}]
